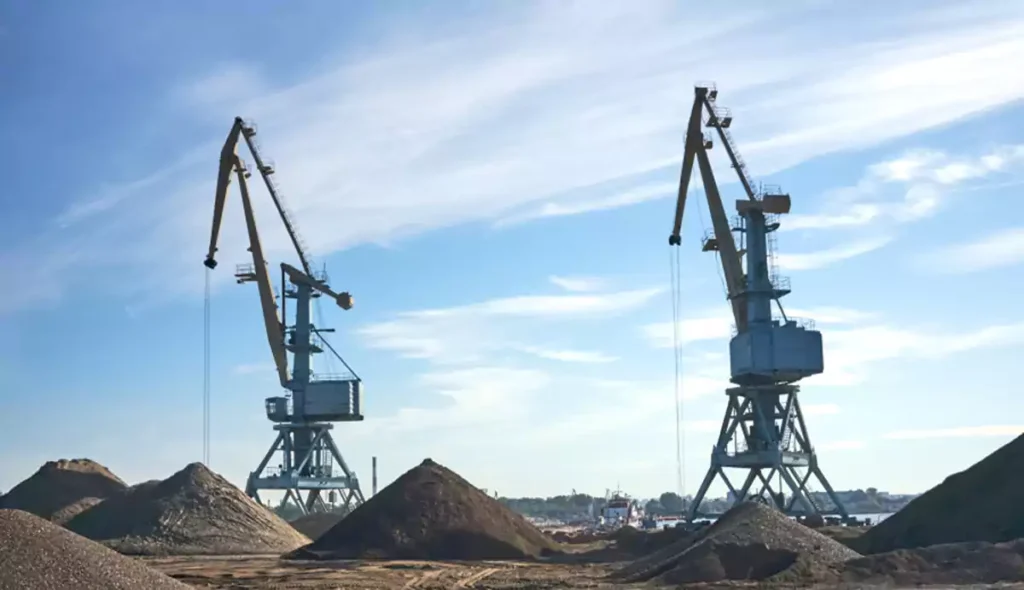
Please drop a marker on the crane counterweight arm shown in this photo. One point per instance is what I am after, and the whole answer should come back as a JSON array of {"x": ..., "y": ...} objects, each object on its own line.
[
  {"x": 343, "y": 299},
  {"x": 227, "y": 164}
]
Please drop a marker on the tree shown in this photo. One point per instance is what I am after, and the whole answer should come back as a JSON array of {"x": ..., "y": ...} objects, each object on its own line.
[{"x": 672, "y": 502}]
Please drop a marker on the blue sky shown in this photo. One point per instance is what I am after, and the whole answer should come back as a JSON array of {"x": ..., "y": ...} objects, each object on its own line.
[{"x": 494, "y": 185}]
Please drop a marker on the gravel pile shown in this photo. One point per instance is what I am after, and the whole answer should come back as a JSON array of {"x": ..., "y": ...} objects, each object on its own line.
[
  {"x": 60, "y": 484},
  {"x": 430, "y": 513},
  {"x": 981, "y": 503},
  {"x": 193, "y": 512},
  {"x": 40, "y": 555},
  {"x": 749, "y": 542}
]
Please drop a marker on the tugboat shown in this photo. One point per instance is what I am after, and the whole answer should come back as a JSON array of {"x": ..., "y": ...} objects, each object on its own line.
[{"x": 620, "y": 510}]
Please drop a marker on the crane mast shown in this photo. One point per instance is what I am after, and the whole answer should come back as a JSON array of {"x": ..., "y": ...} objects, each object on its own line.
[
  {"x": 763, "y": 432},
  {"x": 310, "y": 460}
]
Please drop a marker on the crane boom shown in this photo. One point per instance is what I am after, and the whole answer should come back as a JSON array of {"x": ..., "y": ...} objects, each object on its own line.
[
  {"x": 227, "y": 165},
  {"x": 268, "y": 299},
  {"x": 230, "y": 162},
  {"x": 696, "y": 147}
]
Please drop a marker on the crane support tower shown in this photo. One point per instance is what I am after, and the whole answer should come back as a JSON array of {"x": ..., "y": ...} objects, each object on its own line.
[
  {"x": 311, "y": 466},
  {"x": 763, "y": 432}
]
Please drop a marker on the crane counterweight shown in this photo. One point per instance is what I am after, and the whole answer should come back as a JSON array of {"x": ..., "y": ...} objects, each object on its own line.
[{"x": 764, "y": 432}]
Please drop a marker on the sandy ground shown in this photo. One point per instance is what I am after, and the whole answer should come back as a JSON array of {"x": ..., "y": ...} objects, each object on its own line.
[{"x": 270, "y": 573}]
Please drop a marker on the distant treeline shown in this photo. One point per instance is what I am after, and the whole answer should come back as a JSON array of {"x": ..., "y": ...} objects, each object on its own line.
[
  {"x": 575, "y": 506},
  {"x": 578, "y": 506}
]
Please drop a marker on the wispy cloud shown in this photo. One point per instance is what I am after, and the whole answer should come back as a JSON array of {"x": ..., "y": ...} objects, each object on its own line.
[
  {"x": 958, "y": 432},
  {"x": 579, "y": 284},
  {"x": 526, "y": 109},
  {"x": 717, "y": 324},
  {"x": 829, "y": 256},
  {"x": 911, "y": 186},
  {"x": 467, "y": 333},
  {"x": 857, "y": 340},
  {"x": 570, "y": 356},
  {"x": 820, "y": 409},
  {"x": 563, "y": 208},
  {"x": 851, "y": 352},
  {"x": 841, "y": 445},
  {"x": 998, "y": 249}
]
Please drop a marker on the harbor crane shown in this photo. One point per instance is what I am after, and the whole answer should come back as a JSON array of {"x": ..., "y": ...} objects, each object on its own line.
[
  {"x": 763, "y": 431},
  {"x": 310, "y": 462}
]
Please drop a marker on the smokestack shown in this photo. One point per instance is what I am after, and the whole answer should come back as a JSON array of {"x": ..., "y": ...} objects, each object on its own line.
[{"x": 374, "y": 476}]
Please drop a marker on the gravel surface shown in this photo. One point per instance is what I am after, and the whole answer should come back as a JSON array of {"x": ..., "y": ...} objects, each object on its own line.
[
  {"x": 193, "y": 512},
  {"x": 40, "y": 555}
]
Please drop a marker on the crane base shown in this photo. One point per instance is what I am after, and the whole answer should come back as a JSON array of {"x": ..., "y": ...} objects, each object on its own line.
[
  {"x": 764, "y": 433},
  {"x": 312, "y": 473}
]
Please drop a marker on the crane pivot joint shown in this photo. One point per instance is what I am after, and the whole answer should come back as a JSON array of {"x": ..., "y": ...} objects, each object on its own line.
[
  {"x": 675, "y": 240},
  {"x": 210, "y": 263}
]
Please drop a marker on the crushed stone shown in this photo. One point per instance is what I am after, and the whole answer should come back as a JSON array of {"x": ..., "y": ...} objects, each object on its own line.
[
  {"x": 981, "y": 503},
  {"x": 749, "y": 542},
  {"x": 193, "y": 512},
  {"x": 60, "y": 484},
  {"x": 430, "y": 512},
  {"x": 41, "y": 555}
]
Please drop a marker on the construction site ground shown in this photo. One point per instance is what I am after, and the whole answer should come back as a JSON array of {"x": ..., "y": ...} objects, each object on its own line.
[{"x": 270, "y": 572}]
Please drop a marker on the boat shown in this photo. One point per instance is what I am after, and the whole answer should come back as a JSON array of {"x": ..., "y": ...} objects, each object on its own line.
[{"x": 621, "y": 510}]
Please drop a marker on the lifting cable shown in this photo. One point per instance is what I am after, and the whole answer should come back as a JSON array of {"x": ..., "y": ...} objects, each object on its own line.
[
  {"x": 676, "y": 288},
  {"x": 206, "y": 371}
]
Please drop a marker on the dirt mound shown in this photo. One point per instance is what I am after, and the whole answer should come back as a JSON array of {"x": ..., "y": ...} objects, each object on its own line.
[
  {"x": 644, "y": 542},
  {"x": 749, "y": 542},
  {"x": 316, "y": 524},
  {"x": 430, "y": 513},
  {"x": 981, "y": 503},
  {"x": 953, "y": 564},
  {"x": 43, "y": 556},
  {"x": 59, "y": 484},
  {"x": 65, "y": 514},
  {"x": 193, "y": 512}
]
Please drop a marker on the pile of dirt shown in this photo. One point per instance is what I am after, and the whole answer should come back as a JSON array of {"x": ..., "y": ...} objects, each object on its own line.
[
  {"x": 953, "y": 564},
  {"x": 315, "y": 524},
  {"x": 43, "y": 556},
  {"x": 847, "y": 535},
  {"x": 430, "y": 513},
  {"x": 749, "y": 542},
  {"x": 60, "y": 484},
  {"x": 65, "y": 514},
  {"x": 644, "y": 542},
  {"x": 193, "y": 512},
  {"x": 982, "y": 503}
]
